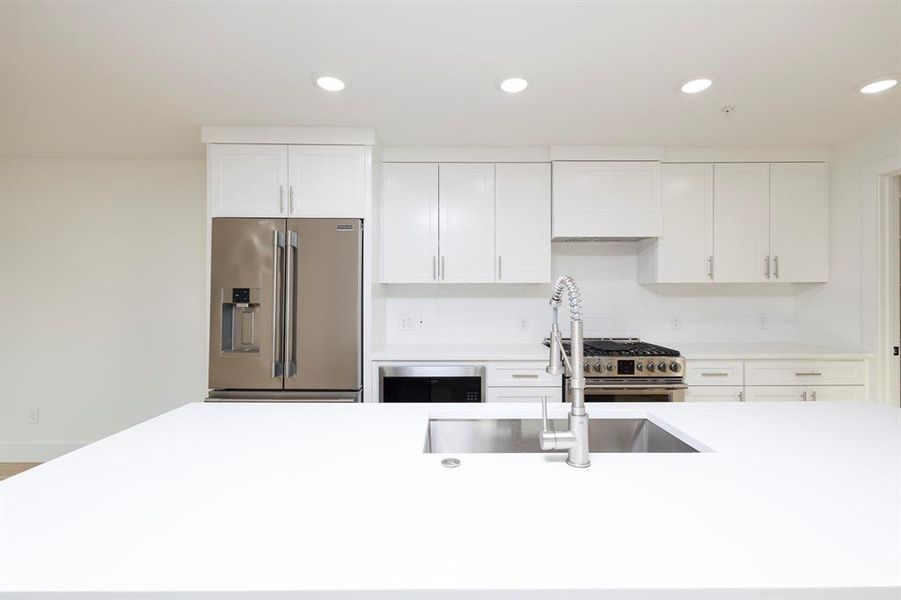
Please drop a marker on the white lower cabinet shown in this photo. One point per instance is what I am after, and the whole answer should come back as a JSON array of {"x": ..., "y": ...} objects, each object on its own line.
[
  {"x": 775, "y": 393},
  {"x": 797, "y": 393},
  {"x": 714, "y": 393},
  {"x": 841, "y": 393},
  {"x": 524, "y": 394}
]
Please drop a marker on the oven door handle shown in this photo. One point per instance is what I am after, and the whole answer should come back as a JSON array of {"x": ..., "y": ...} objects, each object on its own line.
[{"x": 637, "y": 388}]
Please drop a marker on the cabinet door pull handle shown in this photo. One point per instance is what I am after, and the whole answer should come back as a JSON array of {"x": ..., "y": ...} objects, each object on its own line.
[
  {"x": 708, "y": 374},
  {"x": 443, "y": 269},
  {"x": 434, "y": 268},
  {"x": 525, "y": 375},
  {"x": 813, "y": 395},
  {"x": 766, "y": 266},
  {"x": 710, "y": 267},
  {"x": 807, "y": 374},
  {"x": 291, "y": 199},
  {"x": 741, "y": 396},
  {"x": 804, "y": 396},
  {"x": 281, "y": 199},
  {"x": 499, "y": 267},
  {"x": 776, "y": 266}
]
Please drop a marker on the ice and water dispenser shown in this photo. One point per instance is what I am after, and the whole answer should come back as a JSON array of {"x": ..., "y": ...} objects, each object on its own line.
[{"x": 240, "y": 312}]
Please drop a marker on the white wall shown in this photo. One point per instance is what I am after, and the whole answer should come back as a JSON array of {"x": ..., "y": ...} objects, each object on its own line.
[
  {"x": 102, "y": 303},
  {"x": 615, "y": 305},
  {"x": 834, "y": 313}
]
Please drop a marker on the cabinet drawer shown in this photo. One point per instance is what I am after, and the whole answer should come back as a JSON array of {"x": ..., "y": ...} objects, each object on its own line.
[
  {"x": 807, "y": 372},
  {"x": 521, "y": 374},
  {"x": 714, "y": 372},
  {"x": 524, "y": 394},
  {"x": 715, "y": 393}
]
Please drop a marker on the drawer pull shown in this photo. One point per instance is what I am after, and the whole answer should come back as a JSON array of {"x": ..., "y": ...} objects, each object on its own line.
[
  {"x": 714, "y": 374},
  {"x": 525, "y": 375},
  {"x": 807, "y": 374}
]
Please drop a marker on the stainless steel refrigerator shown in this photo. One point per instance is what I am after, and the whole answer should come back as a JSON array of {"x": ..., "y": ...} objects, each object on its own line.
[{"x": 286, "y": 310}]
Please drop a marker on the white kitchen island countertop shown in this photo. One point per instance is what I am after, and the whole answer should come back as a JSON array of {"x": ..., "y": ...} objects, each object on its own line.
[{"x": 791, "y": 500}]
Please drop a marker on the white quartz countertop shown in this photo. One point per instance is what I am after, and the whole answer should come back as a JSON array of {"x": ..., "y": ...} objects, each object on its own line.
[
  {"x": 791, "y": 500},
  {"x": 535, "y": 351},
  {"x": 475, "y": 351},
  {"x": 777, "y": 351}
]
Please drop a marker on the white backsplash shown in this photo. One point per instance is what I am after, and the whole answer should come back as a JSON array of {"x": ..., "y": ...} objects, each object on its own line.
[{"x": 614, "y": 305}]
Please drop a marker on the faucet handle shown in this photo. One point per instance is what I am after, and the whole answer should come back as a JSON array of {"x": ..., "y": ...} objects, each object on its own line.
[{"x": 547, "y": 437}]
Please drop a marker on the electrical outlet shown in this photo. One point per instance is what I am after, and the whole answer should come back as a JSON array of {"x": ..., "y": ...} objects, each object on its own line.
[
  {"x": 418, "y": 322},
  {"x": 406, "y": 323},
  {"x": 523, "y": 324},
  {"x": 676, "y": 322},
  {"x": 763, "y": 321},
  {"x": 34, "y": 416}
]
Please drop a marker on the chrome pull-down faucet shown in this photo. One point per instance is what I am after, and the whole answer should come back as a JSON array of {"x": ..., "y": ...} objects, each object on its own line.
[{"x": 575, "y": 439}]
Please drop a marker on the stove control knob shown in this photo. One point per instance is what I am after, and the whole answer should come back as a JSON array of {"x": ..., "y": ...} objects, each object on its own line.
[
  {"x": 674, "y": 367},
  {"x": 651, "y": 367},
  {"x": 598, "y": 367},
  {"x": 661, "y": 366},
  {"x": 609, "y": 367},
  {"x": 587, "y": 367},
  {"x": 639, "y": 367}
]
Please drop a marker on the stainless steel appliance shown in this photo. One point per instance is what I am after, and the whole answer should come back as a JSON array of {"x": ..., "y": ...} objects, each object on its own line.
[
  {"x": 426, "y": 383},
  {"x": 286, "y": 309},
  {"x": 629, "y": 370}
]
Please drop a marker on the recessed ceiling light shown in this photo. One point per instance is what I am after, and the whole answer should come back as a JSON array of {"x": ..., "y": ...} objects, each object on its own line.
[
  {"x": 329, "y": 83},
  {"x": 696, "y": 85},
  {"x": 514, "y": 85},
  {"x": 878, "y": 85}
]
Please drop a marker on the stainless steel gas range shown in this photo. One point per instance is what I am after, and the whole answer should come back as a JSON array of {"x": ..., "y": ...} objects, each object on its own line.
[{"x": 629, "y": 370}]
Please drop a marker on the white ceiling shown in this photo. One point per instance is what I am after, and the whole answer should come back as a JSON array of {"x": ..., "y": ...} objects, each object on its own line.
[{"x": 109, "y": 78}]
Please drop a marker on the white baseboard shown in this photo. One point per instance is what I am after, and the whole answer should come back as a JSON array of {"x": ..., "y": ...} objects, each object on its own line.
[{"x": 35, "y": 451}]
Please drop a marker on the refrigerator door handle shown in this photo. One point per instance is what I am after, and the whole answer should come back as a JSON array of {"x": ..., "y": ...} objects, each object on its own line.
[
  {"x": 278, "y": 257},
  {"x": 290, "y": 293}
]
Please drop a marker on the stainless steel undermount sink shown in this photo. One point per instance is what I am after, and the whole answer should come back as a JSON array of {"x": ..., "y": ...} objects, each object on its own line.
[{"x": 471, "y": 436}]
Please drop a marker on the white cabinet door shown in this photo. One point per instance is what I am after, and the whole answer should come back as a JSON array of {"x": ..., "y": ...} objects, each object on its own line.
[
  {"x": 409, "y": 222},
  {"x": 741, "y": 222},
  {"x": 842, "y": 393},
  {"x": 684, "y": 253},
  {"x": 524, "y": 394},
  {"x": 798, "y": 221},
  {"x": 248, "y": 180},
  {"x": 327, "y": 181},
  {"x": 523, "y": 222},
  {"x": 775, "y": 393},
  {"x": 714, "y": 393},
  {"x": 466, "y": 222},
  {"x": 607, "y": 199}
]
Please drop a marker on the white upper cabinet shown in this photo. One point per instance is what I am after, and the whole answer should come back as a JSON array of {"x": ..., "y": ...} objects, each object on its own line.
[
  {"x": 684, "y": 252},
  {"x": 409, "y": 222},
  {"x": 606, "y": 200},
  {"x": 248, "y": 180},
  {"x": 466, "y": 222},
  {"x": 798, "y": 222},
  {"x": 523, "y": 222},
  {"x": 326, "y": 181},
  {"x": 741, "y": 222}
]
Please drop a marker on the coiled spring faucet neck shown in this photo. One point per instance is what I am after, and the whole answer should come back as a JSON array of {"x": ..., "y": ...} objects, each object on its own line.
[{"x": 566, "y": 283}]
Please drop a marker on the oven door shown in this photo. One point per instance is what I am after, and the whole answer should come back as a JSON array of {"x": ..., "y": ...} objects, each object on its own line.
[{"x": 632, "y": 392}]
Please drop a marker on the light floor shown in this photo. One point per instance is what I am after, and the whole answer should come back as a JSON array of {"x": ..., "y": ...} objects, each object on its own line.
[{"x": 8, "y": 469}]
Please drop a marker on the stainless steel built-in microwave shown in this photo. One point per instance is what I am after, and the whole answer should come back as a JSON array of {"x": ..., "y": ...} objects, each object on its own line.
[{"x": 427, "y": 383}]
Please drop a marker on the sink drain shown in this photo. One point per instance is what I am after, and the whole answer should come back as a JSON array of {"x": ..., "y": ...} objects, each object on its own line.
[{"x": 450, "y": 463}]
